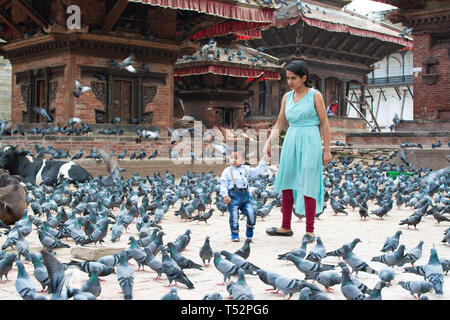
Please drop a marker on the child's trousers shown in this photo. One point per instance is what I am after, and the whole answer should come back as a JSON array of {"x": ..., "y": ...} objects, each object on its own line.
[{"x": 240, "y": 199}]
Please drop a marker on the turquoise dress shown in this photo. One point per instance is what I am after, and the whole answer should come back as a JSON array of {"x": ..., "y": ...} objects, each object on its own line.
[{"x": 300, "y": 166}]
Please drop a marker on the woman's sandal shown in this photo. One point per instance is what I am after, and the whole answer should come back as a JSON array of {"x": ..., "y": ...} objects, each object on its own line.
[{"x": 273, "y": 232}]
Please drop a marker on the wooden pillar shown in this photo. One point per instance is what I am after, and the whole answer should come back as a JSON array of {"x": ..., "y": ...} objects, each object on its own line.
[
  {"x": 276, "y": 97},
  {"x": 341, "y": 98},
  {"x": 268, "y": 104}
]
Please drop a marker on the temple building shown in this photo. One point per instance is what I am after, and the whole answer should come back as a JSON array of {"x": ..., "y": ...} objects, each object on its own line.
[
  {"x": 340, "y": 48},
  {"x": 429, "y": 23},
  {"x": 213, "y": 83},
  {"x": 48, "y": 56}
]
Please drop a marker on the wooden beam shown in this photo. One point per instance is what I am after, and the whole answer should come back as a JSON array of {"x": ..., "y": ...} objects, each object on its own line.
[
  {"x": 155, "y": 22},
  {"x": 3, "y": 2},
  {"x": 31, "y": 12},
  {"x": 114, "y": 14},
  {"x": 11, "y": 24}
]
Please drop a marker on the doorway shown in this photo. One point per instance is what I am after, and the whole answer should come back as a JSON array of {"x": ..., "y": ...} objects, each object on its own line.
[{"x": 121, "y": 106}]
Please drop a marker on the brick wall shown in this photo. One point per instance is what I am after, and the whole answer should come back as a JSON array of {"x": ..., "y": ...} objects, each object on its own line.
[
  {"x": 5, "y": 89},
  {"x": 430, "y": 100}
]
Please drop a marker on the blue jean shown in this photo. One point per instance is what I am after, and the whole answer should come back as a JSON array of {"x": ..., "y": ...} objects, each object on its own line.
[{"x": 240, "y": 199}]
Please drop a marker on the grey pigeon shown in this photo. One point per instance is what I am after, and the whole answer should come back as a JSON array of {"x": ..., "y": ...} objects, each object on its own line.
[
  {"x": 387, "y": 274},
  {"x": 92, "y": 285},
  {"x": 240, "y": 262},
  {"x": 340, "y": 251},
  {"x": 24, "y": 284},
  {"x": 316, "y": 293},
  {"x": 173, "y": 271},
  {"x": 240, "y": 289},
  {"x": 376, "y": 291},
  {"x": 356, "y": 263},
  {"x": 171, "y": 295},
  {"x": 327, "y": 278},
  {"x": 206, "y": 252},
  {"x": 348, "y": 288},
  {"x": 300, "y": 252},
  {"x": 412, "y": 220},
  {"x": 268, "y": 278},
  {"x": 40, "y": 272},
  {"x": 244, "y": 252},
  {"x": 418, "y": 287},
  {"x": 288, "y": 285},
  {"x": 212, "y": 296},
  {"x": 225, "y": 267},
  {"x": 413, "y": 255},
  {"x": 153, "y": 263},
  {"x": 59, "y": 280},
  {"x": 392, "y": 258},
  {"x": 305, "y": 294},
  {"x": 318, "y": 252},
  {"x": 432, "y": 272},
  {"x": 183, "y": 262},
  {"x": 306, "y": 266},
  {"x": 6, "y": 265},
  {"x": 361, "y": 286},
  {"x": 125, "y": 277},
  {"x": 392, "y": 243}
]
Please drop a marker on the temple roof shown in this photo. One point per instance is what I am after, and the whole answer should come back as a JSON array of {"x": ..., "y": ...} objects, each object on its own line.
[
  {"x": 233, "y": 60},
  {"x": 338, "y": 21}
]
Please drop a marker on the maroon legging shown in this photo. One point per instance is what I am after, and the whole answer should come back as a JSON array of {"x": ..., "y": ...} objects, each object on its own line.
[{"x": 287, "y": 204}]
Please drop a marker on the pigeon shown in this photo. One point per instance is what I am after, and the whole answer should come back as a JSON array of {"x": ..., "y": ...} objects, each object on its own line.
[
  {"x": 203, "y": 216},
  {"x": 436, "y": 145},
  {"x": 240, "y": 262},
  {"x": 92, "y": 285},
  {"x": 183, "y": 262},
  {"x": 174, "y": 272},
  {"x": 392, "y": 258},
  {"x": 212, "y": 296},
  {"x": 432, "y": 272},
  {"x": 392, "y": 243},
  {"x": 79, "y": 89},
  {"x": 49, "y": 242},
  {"x": 337, "y": 207},
  {"x": 268, "y": 278},
  {"x": 300, "y": 252},
  {"x": 206, "y": 252},
  {"x": 327, "y": 278},
  {"x": 306, "y": 266},
  {"x": 418, "y": 287},
  {"x": 43, "y": 113},
  {"x": 381, "y": 212},
  {"x": 363, "y": 211},
  {"x": 24, "y": 284},
  {"x": 348, "y": 288},
  {"x": 387, "y": 274},
  {"x": 376, "y": 291},
  {"x": 240, "y": 289},
  {"x": 355, "y": 262},
  {"x": 340, "y": 251},
  {"x": 412, "y": 220},
  {"x": 225, "y": 267},
  {"x": 127, "y": 64},
  {"x": 244, "y": 252},
  {"x": 125, "y": 277},
  {"x": 439, "y": 217},
  {"x": 318, "y": 252},
  {"x": 40, "y": 272},
  {"x": 171, "y": 295},
  {"x": 153, "y": 263},
  {"x": 59, "y": 280},
  {"x": 413, "y": 255},
  {"x": 288, "y": 285}
]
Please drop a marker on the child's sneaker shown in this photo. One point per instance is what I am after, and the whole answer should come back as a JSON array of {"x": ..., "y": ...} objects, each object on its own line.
[
  {"x": 249, "y": 233},
  {"x": 235, "y": 237}
]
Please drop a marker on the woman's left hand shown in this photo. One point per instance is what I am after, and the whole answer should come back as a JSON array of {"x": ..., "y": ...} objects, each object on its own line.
[{"x": 326, "y": 157}]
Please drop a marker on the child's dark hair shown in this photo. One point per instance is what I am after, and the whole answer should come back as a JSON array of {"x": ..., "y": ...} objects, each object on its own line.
[{"x": 300, "y": 68}]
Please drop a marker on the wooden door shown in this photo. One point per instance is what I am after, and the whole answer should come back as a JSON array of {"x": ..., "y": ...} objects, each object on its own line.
[
  {"x": 122, "y": 100},
  {"x": 40, "y": 100}
]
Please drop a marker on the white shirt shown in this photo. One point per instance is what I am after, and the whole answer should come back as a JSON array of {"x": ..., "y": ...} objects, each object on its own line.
[{"x": 226, "y": 183}]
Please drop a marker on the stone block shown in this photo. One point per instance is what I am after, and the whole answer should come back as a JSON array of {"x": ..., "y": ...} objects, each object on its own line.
[{"x": 94, "y": 253}]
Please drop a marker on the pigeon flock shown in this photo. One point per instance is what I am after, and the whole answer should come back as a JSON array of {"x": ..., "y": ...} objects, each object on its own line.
[{"x": 143, "y": 216}]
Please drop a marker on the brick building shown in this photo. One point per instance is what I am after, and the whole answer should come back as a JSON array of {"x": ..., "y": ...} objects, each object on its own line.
[
  {"x": 430, "y": 24},
  {"x": 47, "y": 56}
]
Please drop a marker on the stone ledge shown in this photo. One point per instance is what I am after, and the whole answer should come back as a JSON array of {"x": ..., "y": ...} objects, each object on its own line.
[{"x": 93, "y": 253}]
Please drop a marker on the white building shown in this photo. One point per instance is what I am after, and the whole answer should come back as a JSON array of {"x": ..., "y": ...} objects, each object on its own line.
[{"x": 390, "y": 84}]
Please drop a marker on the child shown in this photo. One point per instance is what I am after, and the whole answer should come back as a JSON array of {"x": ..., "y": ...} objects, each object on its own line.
[{"x": 234, "y": 189}]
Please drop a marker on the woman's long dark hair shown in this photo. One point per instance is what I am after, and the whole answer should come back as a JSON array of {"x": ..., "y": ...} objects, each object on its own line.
[{"x": 300, "y": 68}]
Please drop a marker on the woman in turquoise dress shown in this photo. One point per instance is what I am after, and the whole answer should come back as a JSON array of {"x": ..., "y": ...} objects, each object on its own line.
[{"x": 300, "y": 173}]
